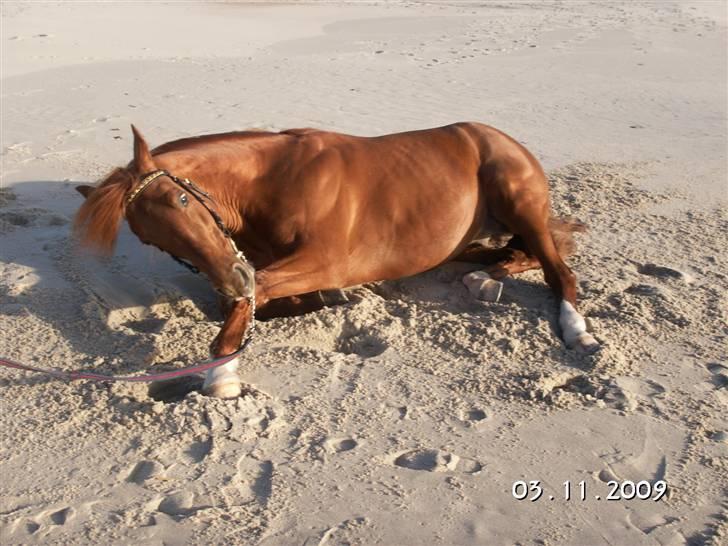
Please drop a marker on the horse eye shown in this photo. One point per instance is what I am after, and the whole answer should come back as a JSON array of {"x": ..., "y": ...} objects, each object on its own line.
[{"x": 183, "y": 199}]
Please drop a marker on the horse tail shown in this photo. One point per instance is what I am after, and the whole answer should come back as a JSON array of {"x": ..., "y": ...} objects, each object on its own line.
[{"x": 562, "y": 231}]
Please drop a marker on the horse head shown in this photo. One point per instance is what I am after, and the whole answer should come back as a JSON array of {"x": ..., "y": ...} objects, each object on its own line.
[{"x": 172, "y": 214}]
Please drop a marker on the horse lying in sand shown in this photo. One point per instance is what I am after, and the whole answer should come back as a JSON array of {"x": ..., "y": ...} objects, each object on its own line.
[{"x": 316, "y": 211}]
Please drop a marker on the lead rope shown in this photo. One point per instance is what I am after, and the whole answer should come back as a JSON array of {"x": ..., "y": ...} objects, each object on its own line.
[{"x": 173, "y": 374}]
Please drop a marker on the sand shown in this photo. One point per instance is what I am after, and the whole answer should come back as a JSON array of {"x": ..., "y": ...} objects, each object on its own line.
[{"x": 405, "y": 416}]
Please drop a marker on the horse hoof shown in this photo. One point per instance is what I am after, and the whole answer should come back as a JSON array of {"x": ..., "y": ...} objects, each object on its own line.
[
  {"x": 230, "y": 389},
  {"x": 585, "y": 343},
  {"x": 482, "y": 286}
]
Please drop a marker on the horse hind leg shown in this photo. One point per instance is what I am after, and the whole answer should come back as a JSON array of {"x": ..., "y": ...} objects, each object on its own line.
[
  {"x": 561, "y": 279},
  {"x": 543, "y": 242},
  {"x": 510, "y": 259}
]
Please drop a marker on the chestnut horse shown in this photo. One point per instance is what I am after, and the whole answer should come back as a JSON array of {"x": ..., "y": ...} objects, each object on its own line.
[{"x": 316, "y": 211}]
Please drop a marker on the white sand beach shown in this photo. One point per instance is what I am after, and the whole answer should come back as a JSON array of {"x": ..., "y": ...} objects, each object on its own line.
[{"x": 405, "y": 416}]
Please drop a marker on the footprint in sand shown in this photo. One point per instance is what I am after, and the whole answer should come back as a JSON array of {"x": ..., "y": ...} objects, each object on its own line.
[
  {"x": 145, "y": 470},
  {"x": 177, "y": 504},
  {"x": 436, "y": 460},
  {"x": 662, "y": 272},
  {"x": 720, "y": 375}
]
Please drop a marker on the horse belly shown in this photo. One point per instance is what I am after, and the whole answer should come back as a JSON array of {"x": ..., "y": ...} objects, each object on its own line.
[{"x": 409, "y": 240}]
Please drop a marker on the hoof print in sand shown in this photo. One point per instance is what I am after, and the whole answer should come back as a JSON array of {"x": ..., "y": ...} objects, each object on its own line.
[
  {"x": 50, "y": 518},
  {"x": 6, "y": 196},
  {"x": 145, "y": 470},
  {"x": 606, "y": 475},
  {"x": 61, "y": 516},
  {"x": 720, "y": 375},
  {"x": 29, "y": 217},
  {"x": 662, "y": 272},
  {"x": 642, "y": 289},
  {"x": 149, "y": 325},
  {"x": 436, "y": 460},
  {"x": 473, "y": 417},
  {"x": 339, "y": 445},
  {"x": 197, "y": 451},
  {"x": 177, "y": 504},
  {"x": 364, "y": 345},
  {"x": 18, "y": 219}
]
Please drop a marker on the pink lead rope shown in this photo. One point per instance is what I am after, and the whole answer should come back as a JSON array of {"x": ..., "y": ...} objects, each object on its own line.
[{"x": 163, "y": 376}]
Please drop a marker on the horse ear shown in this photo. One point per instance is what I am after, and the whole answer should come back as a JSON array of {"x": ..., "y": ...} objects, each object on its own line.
[
  {"x": 85, "y": 190},
  {"x": 142, "y": 157}
]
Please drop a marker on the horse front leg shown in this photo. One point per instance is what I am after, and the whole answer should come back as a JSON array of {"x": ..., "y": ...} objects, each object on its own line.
[
  {"x": 291, "y": 277},
  {"x": 224, "y": 381}
]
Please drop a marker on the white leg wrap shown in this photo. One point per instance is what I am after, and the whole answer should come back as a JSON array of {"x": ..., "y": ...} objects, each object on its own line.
[
  {"x": 223, "y": 381},
  {"x": 482, "y": 287},
  {"x": 573, "y": 328}
]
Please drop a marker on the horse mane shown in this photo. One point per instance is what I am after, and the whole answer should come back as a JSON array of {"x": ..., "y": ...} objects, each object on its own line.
[
  {"x": 98, "y": 220},
  {"x": 201, "y": 141}
]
